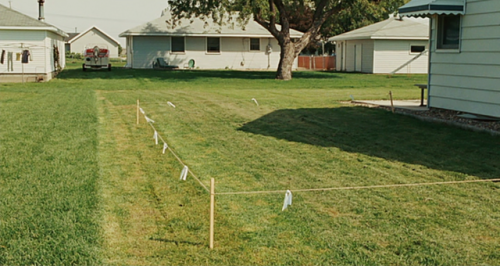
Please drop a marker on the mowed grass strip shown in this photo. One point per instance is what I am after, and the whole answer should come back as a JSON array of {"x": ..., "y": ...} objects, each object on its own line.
[
  {"x": 299, "y": 138},
  {"x": 49, "y": 198}
]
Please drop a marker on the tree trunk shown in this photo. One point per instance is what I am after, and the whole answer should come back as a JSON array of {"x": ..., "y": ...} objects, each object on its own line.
[{"x": 287, "y": 56}]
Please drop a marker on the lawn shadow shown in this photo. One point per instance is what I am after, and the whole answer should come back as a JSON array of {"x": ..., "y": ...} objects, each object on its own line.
[
  {"x": 183, "y": 75},
  {"x": 385, "y": 135}
]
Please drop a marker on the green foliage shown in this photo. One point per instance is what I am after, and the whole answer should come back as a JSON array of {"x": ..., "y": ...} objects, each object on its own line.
[
  {"x": 308, "y": 16},
  {"x": 359, "y": 14},
  {"x": 70, "y": 55}
]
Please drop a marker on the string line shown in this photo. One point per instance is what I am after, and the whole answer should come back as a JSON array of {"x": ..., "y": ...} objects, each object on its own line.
[
  {"x": 322, "y": 189},
  {"x": 360, "y": 187},
  {"x": 179, "y": 159}
]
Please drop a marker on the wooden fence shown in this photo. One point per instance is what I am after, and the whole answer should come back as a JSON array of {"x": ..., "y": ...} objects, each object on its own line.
[{"x": 317, "y": 62}]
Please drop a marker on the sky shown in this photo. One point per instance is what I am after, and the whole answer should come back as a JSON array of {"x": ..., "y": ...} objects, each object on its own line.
[{"x": 111, "y": 16}]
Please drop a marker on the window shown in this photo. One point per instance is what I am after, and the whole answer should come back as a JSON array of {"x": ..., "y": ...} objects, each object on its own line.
[
  {"x": 417, "y": 49},
  {"x": 213, "y": 45},
  {"x": 448, "y": 32},
  {"x": 178, "y": 45},
  {"x": 254, "y": 44}
]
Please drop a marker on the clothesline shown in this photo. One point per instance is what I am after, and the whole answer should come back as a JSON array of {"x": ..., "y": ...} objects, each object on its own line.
[{"x": 22, "y": 45}]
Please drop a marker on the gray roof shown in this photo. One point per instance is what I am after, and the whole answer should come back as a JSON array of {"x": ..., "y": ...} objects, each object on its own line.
[
  {"x": 74, "y": 36},
  {"x": 71, "y": 36},
  {"x": 392, "y": 28},
  {"x": 202, "y": 28},
  {"x": 12, "y": 19}
]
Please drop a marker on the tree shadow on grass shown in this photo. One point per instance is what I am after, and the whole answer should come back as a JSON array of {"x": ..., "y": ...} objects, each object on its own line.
[
  {"x": 385, "y": 135},
  {"x": 183, "y": 75}
]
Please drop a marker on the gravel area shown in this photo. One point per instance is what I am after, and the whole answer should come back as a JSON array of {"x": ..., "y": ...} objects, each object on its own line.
[{"x": 451, "y": 118}]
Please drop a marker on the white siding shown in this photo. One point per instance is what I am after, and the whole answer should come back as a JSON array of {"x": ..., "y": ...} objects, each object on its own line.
[
  {"x": 468, "y": 80},
  {"x": 235, "y": 53},
  {"x": 40, "y": 44},
  {"x": 366, "y": 55},
  {"x": 16, "y": 42},
  {"x": 392, "y": 54},
  {"x": 58, "y": 41},
  {"x": 94, "y": 37}
]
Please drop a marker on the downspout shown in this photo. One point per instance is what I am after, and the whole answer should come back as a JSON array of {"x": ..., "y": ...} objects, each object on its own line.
[{"x": 429, "y": 65}]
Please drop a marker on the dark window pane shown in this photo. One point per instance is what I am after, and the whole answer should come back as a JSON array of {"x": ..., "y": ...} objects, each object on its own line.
[
  {"x": 449, "y": 32},
  {"x": 213, "y": 45},
  {"x": 417, "y": 48},
  {"x": 178, "y": 44},
  {"x": 254, "y": 44}
]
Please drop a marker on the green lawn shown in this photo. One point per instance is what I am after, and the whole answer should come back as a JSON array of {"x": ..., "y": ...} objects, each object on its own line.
[{"x": 81, "y": 183}]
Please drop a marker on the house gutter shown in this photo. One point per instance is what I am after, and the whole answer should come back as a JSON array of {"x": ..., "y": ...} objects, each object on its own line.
[
  {"x": 168, "y": 34},
  {"x": 52, "y": 29}
]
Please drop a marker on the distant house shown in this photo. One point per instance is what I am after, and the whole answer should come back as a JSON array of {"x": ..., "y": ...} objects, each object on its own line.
[
  {"x": 464, "y": 68},
  {"x": 76, "y": 42},
  {"x": 391, "y": 46},
  {"x": 30, "y": 49},
  {"x": 210, "y": 45}
]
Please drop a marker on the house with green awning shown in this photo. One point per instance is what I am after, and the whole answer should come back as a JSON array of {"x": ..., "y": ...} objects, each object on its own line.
[{"x": 464, "y": 58}]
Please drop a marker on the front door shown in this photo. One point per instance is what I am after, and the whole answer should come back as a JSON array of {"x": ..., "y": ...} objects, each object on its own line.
[{"x": 357, "y": 57}]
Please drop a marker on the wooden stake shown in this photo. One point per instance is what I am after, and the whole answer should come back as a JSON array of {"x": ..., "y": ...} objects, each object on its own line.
[
  {"x": 212, "y": 210},
  {"x": 138, "y": 108},
  {"x": 392, "y": 103}
]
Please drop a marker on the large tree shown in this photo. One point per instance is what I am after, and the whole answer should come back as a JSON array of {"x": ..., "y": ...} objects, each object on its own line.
[{"x": 278, "y": 16}]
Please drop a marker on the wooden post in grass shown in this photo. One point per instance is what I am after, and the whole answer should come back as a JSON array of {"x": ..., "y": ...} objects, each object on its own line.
[
  {"x": 392, "y": 103},
  {"x": 138, "y": 108},
  {"x": 212, "y": 210}
]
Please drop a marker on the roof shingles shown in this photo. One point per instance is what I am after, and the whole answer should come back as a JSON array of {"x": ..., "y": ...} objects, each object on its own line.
[{"x": 10, "y": 18}]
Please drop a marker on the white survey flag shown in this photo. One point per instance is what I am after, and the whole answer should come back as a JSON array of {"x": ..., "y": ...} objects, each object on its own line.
[
  {"x": 171, "y": 104},
  {"x": 255, "y": 101},
  {"x": 165, "y": 147},
  {"x": 142, "y": 111},
  {"x": 155, "y": 136},
  {"x": 184, "y": 173},
  {"x": 149, "y": 120},
  {"x": 288, "y": 200}
]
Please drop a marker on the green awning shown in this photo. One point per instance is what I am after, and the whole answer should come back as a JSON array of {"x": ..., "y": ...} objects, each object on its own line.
[{"x": 431, "y": 7}]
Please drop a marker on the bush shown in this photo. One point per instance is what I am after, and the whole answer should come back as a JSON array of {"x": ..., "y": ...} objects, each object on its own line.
[{"x": 73, "y": 55}]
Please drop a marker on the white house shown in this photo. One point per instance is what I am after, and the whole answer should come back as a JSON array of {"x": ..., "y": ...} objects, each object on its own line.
[
  {"x": 464, "y": 68},
  {"x": 210, "y": 45},
  {"x": 394, "y": 45},
  {"x": 30, "y": 49},
  {"x": 76, "y": 43}
]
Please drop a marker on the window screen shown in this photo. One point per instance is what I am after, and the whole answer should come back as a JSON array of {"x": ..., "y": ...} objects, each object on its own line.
[
  {"x": 213, "y": 45},
  {"x": 178, "y": 44},
  {"x": 254, "y": 44},
  {"x": 448, "y": 32},
  {"x": 417, "y": 49}
]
